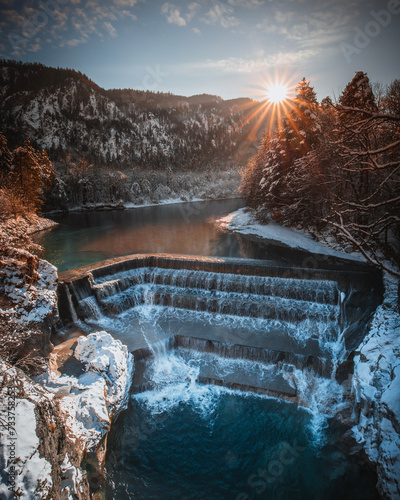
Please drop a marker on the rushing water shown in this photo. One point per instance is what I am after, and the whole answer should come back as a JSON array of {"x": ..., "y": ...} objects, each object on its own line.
[
  {"x": 185, "y": 440},
  {"x": 181, "y": 437}
]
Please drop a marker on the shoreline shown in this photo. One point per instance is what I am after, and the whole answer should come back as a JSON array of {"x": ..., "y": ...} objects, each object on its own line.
[{"x": 130, "y": 206}]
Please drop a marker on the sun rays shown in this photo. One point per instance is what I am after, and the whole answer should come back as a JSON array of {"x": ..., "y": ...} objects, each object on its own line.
[{"x": 277, "y": 93}]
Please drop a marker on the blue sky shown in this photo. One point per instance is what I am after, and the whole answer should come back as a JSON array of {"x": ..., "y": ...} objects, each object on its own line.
[{"x": 231, "y": 48}]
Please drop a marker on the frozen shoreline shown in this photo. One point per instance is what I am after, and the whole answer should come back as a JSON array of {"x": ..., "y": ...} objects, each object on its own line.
[
  {"x": 243, "y": 222},
  {"x": 129, "y": 206}
]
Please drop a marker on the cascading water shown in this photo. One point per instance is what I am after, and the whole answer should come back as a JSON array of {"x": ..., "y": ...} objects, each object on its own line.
[{"x": 200, "y": 336}]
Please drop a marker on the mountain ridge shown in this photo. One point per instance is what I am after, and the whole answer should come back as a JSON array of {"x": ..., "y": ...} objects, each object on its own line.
[{"x": 66, "y": 113}]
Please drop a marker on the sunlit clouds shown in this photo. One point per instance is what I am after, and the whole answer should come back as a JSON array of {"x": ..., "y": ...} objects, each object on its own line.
[{"x": 205, "y": 46}]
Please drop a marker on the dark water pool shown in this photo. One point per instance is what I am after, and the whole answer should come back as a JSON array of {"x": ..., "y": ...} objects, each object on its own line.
[{"x": 215, "y": 444}]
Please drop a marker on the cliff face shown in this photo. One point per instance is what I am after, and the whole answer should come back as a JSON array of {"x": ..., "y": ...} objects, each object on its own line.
[
  {"x": 36, "y": 457},
  {"x": 376, "y": 385},
  {"x": 48, "y": 428},
  {"x": 63, "y": 111}
]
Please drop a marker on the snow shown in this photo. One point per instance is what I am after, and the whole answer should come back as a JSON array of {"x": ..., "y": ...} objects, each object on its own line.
[
  {"x": 242, "y": 221},
  {"x": 71, "y": 477},
  {"x": 376, "y": 385},
  {"x": 31, "y": 303},
  {"x": 93, "y": 398},
  {"x": 31, "y": 470}
]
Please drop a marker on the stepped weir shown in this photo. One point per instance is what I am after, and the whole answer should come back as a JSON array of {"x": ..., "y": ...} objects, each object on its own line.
[{"x": 218, "y": 309}]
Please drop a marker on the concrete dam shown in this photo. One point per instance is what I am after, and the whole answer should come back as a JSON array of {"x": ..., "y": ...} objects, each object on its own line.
[{"x": 247, "y": 323}]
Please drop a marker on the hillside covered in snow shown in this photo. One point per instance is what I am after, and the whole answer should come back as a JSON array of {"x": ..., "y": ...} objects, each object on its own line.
[{"x": 64, "y": 112}]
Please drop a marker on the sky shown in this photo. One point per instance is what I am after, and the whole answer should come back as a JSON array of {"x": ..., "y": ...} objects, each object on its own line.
[{"x": 231, "y": 48}]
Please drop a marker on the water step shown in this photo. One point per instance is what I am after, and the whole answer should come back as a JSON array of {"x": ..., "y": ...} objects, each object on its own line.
[
  {"x": 241, "y": 375},
  {"x": 319, "y": 365},
  {"x": 233, "y": 303},
  {"x": 321, "y": 291}
]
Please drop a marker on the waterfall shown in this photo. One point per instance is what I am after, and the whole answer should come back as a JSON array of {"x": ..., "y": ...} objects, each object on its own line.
[
  {"x": 242, "y": 326},
  {"x": 72, "y": 310}
]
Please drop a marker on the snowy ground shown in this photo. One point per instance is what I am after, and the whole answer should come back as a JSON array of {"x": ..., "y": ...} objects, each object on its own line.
[
  {"x": 376, "y": 384},
  {"x": 242, "y": 221}
]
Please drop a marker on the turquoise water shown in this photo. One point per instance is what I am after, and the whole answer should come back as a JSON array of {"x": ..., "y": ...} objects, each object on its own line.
[
  {"x": 216, "y": 445},
  {"x": 83, "y": 238}
]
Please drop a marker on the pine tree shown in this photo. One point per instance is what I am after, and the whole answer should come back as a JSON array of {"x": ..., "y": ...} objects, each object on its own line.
[{"x": 366, "y": 189}]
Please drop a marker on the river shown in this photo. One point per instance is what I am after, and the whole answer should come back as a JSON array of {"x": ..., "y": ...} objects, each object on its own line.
[{"x": 189, "y": 440}]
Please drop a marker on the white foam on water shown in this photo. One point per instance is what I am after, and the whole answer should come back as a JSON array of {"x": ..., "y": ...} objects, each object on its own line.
[
  {"x": 322, "y": 397},
  {"x": 175, "y": 382}
]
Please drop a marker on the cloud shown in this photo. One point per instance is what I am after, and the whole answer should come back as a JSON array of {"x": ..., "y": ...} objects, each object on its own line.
[
  {"x": 221, "y": 14},
  {"x": 12, "y": 17},
  {"x": 173, "y": 15},
  {"x": 318, "y": 25},
  {"x": 196, "y": 31},
  {"x": 127, "y": 14},
  {"x": 126, "y": 3},
  {"x": 240, "y": 65},
  {"x": 246, "y": 3},
  {"x": 111, "y": 30},
  {"x": 192, "y": 8},
  {"x": 284, "y": 16},
  {"x": 75, "y": 42},
  {"x": 34, "y": 47}
]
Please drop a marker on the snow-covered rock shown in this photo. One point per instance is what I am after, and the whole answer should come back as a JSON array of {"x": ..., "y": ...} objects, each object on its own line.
[
  {"x": 93, "y": 398},
  {"x": 56, "y": 423},
  {"x": 376, "y": 385},
  {"x": 32, "y": 303},
  {"x": 33, "y": 441},
  {"x": 24, "y": 473}
]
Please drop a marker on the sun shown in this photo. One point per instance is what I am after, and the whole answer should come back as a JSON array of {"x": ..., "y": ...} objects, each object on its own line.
[{"x": 277, "y": 93}]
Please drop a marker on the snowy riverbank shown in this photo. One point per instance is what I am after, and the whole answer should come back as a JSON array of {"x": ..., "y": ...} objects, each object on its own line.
[
  {"x": 376, "y": 385},
  {"x": 243, "y": 222},
  {"x": 130, "y": 205}
]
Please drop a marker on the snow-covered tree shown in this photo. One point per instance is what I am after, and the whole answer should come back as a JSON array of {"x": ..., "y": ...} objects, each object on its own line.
[{"x": 366, "y": 192}]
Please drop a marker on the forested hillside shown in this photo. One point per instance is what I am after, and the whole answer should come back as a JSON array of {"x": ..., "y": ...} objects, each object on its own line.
[
  {"x": 64, "y": 112},
  {"x": 113, "y": 147},
  {"x": 334, "y": 167}
]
